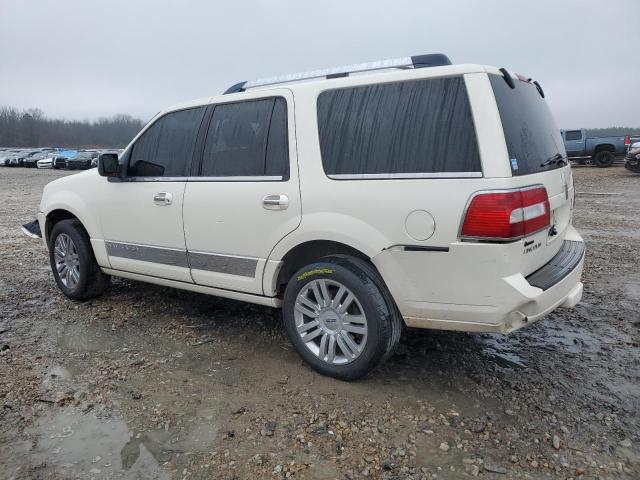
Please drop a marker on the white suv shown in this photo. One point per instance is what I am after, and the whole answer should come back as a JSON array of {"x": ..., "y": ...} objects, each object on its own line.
[{"x": 358, "y": 199}]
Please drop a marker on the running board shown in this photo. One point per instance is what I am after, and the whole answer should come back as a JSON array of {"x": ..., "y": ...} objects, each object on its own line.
[{"x": 216, "y": 292}]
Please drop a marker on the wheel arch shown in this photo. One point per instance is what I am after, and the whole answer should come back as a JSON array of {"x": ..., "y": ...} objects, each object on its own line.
[
  {"x": 604, "y": 147},
  {"x": 55, "y": 216},
  {"x": 304, "y": 253},
  {"x": 314, "y": 239},
  {"x": 60, "y": 213},
  {"x": 59, "y": 204}
]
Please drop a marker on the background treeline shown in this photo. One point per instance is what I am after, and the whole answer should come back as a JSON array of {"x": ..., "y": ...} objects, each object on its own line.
[
  {"x": 612, "y": 131},
  {"x": 30, "y": 128}
]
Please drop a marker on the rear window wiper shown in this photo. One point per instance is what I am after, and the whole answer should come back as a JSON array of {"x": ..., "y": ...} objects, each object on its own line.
[{"x": 555, "y": 160}]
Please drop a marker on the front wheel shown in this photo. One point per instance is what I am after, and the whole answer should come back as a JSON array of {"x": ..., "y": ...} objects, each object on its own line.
[
  {"x": 73, "y": 263},
  {"x": 340, "y": 317}
]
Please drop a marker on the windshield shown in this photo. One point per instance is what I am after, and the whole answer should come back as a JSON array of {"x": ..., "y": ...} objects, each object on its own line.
[{"x": 533, "y": 140}]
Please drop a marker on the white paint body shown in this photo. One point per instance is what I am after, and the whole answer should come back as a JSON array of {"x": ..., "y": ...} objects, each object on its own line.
[
  {"x": 45, "y": 163},
  {"x": 474, "y": 286}
]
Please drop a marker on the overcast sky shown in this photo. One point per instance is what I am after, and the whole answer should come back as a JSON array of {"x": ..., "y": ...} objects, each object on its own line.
[{"x": 85, "y": 59}]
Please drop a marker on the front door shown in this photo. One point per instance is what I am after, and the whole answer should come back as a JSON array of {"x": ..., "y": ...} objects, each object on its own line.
[
  {"x": 574, "y": 143},
  {"x": 142, "y": 215},
  {"x": 246, "y": 195}
]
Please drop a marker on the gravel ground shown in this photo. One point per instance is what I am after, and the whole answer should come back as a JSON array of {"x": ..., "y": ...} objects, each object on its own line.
[{"x": 150, "y": 382}]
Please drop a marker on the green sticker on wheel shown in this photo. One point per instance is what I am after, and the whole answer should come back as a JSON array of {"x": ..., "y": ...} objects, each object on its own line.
[{"x": 315, "y": 271}]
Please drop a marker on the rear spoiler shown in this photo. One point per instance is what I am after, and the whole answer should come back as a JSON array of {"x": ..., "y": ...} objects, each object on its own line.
[{"x": 508, "y": 77}]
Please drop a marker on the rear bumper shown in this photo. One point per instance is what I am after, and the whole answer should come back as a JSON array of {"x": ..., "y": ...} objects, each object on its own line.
[{"x": 463, "y": 292}]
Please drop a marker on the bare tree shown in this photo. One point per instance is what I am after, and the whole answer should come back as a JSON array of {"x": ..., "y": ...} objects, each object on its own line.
[{"x": 31, "y": 128}]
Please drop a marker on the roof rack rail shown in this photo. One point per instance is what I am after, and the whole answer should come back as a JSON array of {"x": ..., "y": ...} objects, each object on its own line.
[{"x": 416, "y": 61}]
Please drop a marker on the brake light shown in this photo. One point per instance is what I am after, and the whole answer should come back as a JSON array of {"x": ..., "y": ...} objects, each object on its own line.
[
  {"x": 507, "y": 214},
  {"x": 627, "y": 140}
]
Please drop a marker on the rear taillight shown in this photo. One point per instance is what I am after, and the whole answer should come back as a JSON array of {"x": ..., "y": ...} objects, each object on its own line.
[
  {"x": 506, "y": 214},
  {"x": 627, "y": 140}
]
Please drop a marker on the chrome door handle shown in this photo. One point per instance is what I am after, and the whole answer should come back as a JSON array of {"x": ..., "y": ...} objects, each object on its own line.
[
  {"x": 275, "y": 202},
  {"x": 163, "y": 198}
]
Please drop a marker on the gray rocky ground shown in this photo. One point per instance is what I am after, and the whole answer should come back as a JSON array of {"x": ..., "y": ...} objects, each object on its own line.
[{"x": 150, "y": 382}]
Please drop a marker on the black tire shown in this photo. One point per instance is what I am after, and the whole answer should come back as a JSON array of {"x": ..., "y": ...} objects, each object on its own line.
[
  {"x": 384, "y": 322},
  {"x": 92, "y": 281},
  {"x": 603, "y": 159}
]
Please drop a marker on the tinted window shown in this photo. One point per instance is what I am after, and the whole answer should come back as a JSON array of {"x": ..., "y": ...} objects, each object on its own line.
[
  {"x": 247, "y": 139},
  {"x": 422, "y": 126},
  {"x": 573, "y": 135},
  {"x": 166, "y": 148},
  {"x": 529, "y": 128}
]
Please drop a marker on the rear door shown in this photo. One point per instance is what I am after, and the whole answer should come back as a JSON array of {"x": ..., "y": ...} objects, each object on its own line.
[
  {"x": 245, "y": 194},
  {"x": 536, "y": 157}
]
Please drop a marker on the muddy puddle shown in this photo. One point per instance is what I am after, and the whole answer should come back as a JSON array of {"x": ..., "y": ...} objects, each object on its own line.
[
  {"x": 78, "y": 444},
  {"x": 95, "y": 337}
]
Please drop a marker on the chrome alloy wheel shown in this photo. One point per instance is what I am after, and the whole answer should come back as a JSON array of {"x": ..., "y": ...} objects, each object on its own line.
[
  {"x": 331, "y": 321},
  {"x": 67, "y": 261}
]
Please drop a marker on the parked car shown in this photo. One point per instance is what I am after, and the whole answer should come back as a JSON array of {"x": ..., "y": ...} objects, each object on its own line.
[
  {"x": 32, "y": 161},
  {"x": 5, "y": 158},
  {"x": 23, "y": 155},
  {"x": 57, "y": 159},
  {"x": 601, "y": 151},
  {"x": 82, "y": 160},
  {"x": 27, "y": 159},
  {"x": 632, "y": 160},
  {"x": 60, "y": 162},
  {"x": 10, "y": 158},
  {"x": 423, "y": 206},
  {"x": 46, "y": 162}
]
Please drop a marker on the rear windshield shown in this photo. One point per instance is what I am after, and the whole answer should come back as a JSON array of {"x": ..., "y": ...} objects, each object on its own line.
[{"x": 529, "y": 128}]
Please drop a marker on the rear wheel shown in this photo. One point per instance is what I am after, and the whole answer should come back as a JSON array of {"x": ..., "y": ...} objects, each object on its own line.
[
  {"x": 603, "y": 159},
  {"x": 340, "y": 317},
  {"x": 74, "y": 266}
]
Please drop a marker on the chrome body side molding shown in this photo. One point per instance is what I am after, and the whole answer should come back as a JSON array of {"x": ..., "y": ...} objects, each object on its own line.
[
  {"x": 213, "y": 262},
  {"x": 147, "y": 253}
]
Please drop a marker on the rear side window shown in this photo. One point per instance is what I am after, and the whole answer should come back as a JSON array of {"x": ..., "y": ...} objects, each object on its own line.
[
  {"x": 529, "y": 128},
  {"x": 403, "y": 128},
  {"x": 572, "y": 135},
  {"x": 165, "y": 149},
  {"x": 247, "y": 139}
]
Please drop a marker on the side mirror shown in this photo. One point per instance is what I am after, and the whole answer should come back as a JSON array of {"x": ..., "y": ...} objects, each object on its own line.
[{"x": 108, "y": 165}]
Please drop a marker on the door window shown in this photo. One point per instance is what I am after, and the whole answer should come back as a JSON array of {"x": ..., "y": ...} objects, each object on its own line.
[
  {"x": 165, "y": 149},
  {"x": 572, "y": 135},
  {"x": 247, "y": 139}
]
